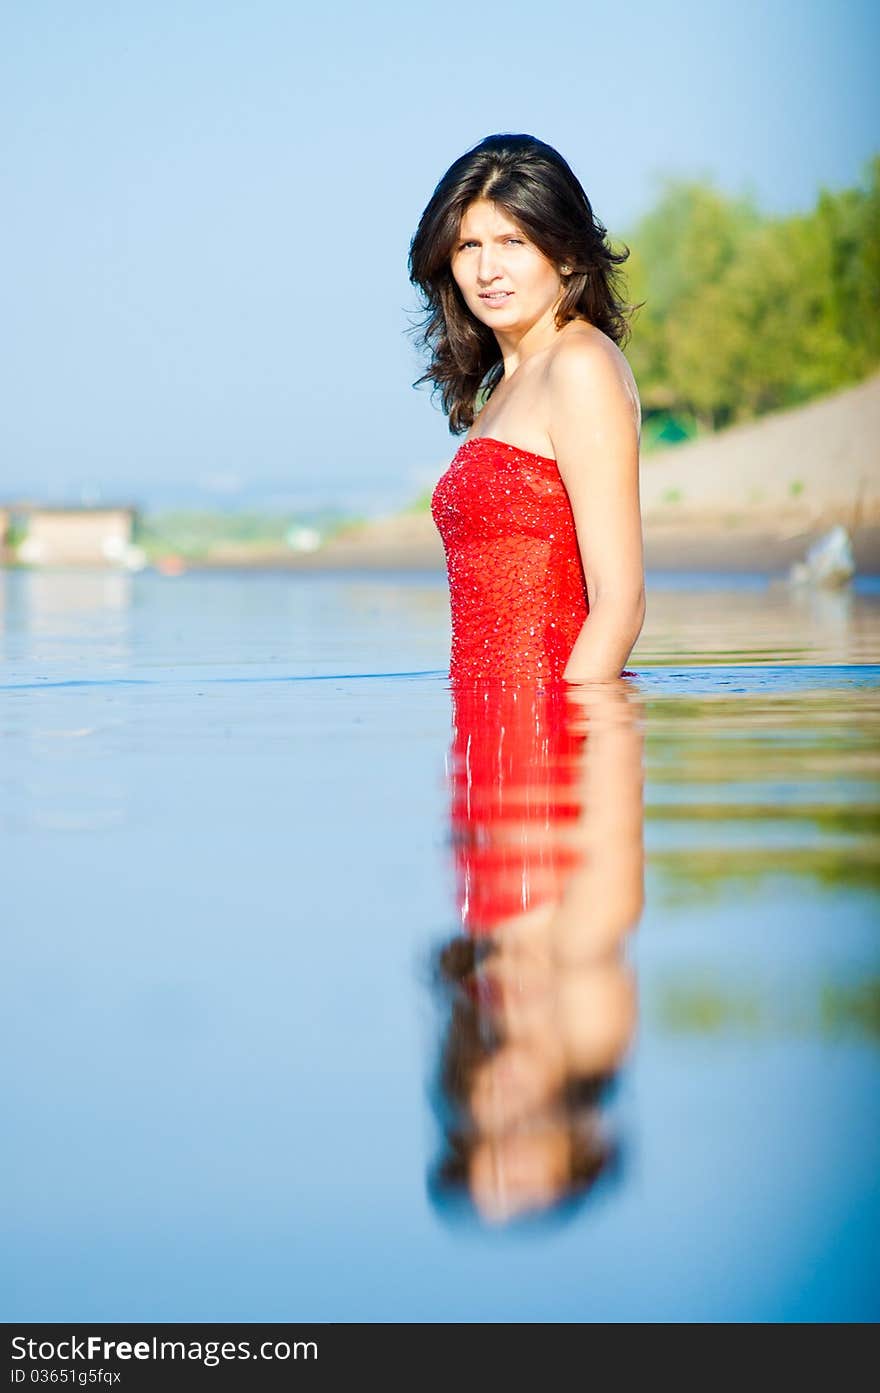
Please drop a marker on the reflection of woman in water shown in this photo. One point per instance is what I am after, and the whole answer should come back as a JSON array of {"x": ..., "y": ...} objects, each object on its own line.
[
  {"x": 546, "y": 818},
  {"x": 540, "y": 519},
  {"x": 539, "y": 509}
]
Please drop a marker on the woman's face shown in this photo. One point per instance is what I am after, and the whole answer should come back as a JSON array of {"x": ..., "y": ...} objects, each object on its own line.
[{"x": 506, "y": 281}]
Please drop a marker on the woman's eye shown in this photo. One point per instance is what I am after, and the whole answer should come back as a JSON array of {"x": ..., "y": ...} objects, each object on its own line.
[{"x": 517, "y": 240}]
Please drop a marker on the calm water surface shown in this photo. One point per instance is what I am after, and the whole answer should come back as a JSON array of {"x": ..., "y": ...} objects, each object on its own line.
[{"x": 333, "y": 992}]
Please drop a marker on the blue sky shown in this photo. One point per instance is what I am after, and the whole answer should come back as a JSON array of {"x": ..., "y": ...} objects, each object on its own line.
[{"x": 208, "y": 207}]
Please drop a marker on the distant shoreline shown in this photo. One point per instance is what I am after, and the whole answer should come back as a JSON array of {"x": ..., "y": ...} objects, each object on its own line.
[
  {"x": 731, "y": 543},
  {"x": 753, "y": 498},
  {"x": 666, "y": 549}
]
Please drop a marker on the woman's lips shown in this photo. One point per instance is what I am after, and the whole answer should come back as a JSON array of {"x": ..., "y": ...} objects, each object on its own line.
[{"x": 497, "y": 298}]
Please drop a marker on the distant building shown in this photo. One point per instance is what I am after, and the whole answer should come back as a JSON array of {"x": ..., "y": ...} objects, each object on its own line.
[{"x": 73, "y": 536}]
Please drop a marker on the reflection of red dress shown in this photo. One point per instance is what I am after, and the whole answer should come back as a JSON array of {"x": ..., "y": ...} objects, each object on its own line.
[
  {"x": 516, "y": 582},
  {"x": 513, "y": 773}
]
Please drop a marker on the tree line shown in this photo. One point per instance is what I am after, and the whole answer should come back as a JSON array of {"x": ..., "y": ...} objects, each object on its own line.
[{"x": 745, "y": 313}]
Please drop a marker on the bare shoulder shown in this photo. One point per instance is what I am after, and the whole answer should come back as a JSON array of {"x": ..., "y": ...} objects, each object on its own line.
[
  {"x": 594, "y": 416},
  {"x": 587, "y": 366}
]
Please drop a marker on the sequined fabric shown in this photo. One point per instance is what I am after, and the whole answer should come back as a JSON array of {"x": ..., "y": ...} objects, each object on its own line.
[{"x": 518, "y": 596}]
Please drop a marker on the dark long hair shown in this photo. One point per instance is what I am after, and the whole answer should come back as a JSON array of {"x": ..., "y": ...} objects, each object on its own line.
[
  {"x": 537, "y": 189},
  {"x": 472, "y": 1038}
]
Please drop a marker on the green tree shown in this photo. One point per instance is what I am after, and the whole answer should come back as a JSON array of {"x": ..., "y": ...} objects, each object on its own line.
[
  {"x": 852, "y": 225},
  {"x": 745, "y": 314},
  {"x": 680, "y": 251}
]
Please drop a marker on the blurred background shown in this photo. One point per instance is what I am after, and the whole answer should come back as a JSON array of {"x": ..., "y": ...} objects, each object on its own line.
[
  {"x": 208, "y": 207},
  {"x": 255, "y": 1068}
]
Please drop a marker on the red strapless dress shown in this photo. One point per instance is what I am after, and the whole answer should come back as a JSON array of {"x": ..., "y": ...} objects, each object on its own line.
[{"x": 517, "y": 591}]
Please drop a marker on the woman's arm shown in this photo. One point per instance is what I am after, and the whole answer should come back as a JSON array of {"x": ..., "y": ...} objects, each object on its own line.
[{"x": 595, "y": 435}]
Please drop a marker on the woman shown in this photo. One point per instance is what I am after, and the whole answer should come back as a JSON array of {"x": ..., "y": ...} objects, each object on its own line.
[{"x": 539, "y": 510}]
